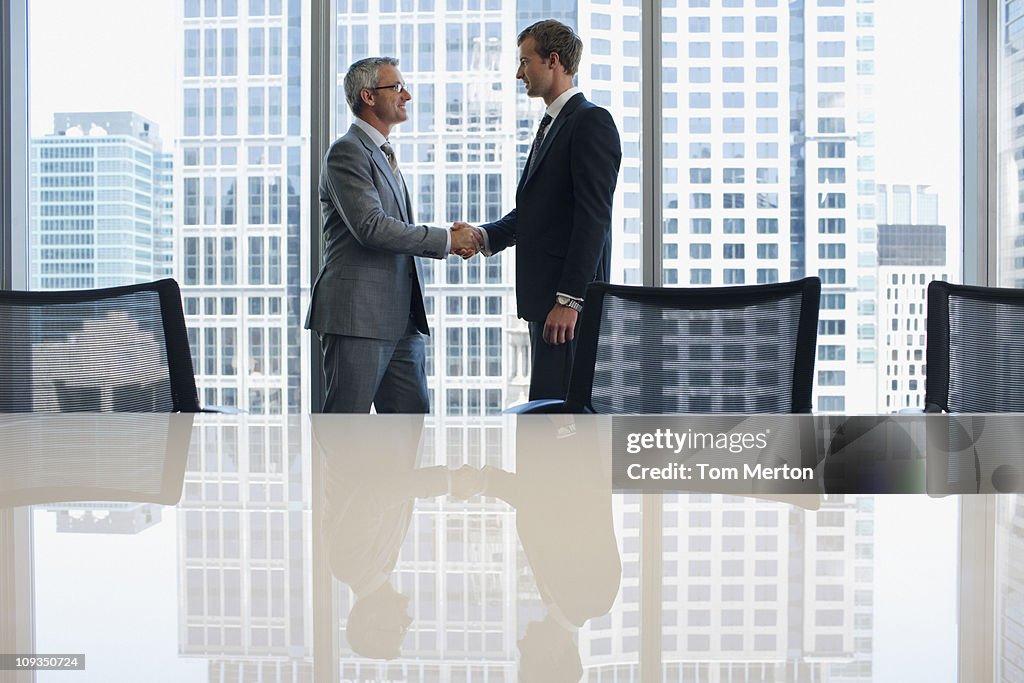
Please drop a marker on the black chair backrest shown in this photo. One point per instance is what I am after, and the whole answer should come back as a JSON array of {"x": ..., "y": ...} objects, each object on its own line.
[
  {"x": 696, "y": 350},
  {"x": 122, "y": 349},
  {"x": 975, "y": 355}
]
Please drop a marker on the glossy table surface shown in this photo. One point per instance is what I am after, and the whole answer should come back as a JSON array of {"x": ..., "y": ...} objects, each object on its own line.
[{"x": 397, "y": 548}]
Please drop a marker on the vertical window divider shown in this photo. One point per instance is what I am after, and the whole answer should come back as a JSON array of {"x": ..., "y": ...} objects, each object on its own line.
[
  {"x": 651, "y": 236},
  {"x": 976, "y": 613},
  {"x": 323, "y": 79},
  {"x": 980, "y": 114},
  {"x": 651, "y": 149},
  {"x": 14, "y": 163},
  {"x": 323, "y": 103}
]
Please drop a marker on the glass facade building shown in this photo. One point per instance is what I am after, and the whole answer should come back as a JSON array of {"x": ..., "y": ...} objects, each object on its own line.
[{"x": 101, "y": 201}]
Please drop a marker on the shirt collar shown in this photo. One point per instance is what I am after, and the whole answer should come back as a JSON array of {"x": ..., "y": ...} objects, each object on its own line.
[
  {"x": 556, "y": 107},
  {"x": 374, "y": 134}
]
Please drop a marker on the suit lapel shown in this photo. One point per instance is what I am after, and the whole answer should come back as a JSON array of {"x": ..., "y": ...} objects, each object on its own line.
[
  {"x": 567, "y": 110},
  {"x": 385, "y": 168}
]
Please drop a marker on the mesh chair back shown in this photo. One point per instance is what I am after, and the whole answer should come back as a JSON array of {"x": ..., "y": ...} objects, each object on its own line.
[
  {"x": 975, "y": 354},
  {"x": 123, "y": 349},
  {"x": 701, "y": 350}
]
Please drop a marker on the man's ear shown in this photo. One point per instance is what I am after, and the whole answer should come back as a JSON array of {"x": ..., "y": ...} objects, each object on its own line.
[
  {"x": 366, "y": 95},
  {"x": 555, "y": 61}
]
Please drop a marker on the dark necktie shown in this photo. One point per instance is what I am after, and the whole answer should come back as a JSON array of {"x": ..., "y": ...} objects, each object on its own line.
[{"x": 538, "y": 141}]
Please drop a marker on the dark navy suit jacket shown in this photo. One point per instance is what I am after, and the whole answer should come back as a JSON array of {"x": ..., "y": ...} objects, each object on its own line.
[{"x": 561, "y": 224}]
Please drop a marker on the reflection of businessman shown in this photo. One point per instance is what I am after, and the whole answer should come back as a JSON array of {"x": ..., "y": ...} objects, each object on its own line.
[
  {"x": 367, "y": 303},
  {"x": 561, "y": 224},
  {"x": 372, "y": 483},
  {"x": 563, "y": 505}
]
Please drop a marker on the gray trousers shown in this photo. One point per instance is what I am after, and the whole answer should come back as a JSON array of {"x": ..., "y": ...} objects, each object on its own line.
[{"x": 391, "y": 375}]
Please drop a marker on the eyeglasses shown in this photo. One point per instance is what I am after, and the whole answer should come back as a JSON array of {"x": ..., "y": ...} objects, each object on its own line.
[{"x": 397, "y": 87}]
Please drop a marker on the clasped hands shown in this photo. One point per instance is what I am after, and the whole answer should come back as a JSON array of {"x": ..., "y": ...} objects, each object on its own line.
[
  {"x": 467, "y": 240},
  {"x": 467, "y": 482}
]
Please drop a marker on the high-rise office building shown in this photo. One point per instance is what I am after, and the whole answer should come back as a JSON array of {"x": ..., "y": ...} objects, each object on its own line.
[
  {"x": 241, "y": 215},
  {"x": 768, "y": 144},
  {"x": 912, "y": 251},
  {"x": 101, "y": 202},
  {"x": 909, "y": 257}
]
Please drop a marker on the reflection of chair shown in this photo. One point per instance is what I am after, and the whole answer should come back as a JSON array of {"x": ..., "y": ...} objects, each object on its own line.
[
  {"x": 123, "y": 349},
  {"x": 975, "y": 357},
  {"x": 697, "y": 350}
]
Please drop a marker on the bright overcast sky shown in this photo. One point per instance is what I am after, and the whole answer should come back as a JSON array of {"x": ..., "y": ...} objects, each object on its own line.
[{"x": 101, "y": 55}]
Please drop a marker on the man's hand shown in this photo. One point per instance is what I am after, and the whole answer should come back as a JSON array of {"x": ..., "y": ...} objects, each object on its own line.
[
  {"x": 560, "y": 325},
  {"x": 466, "y": 240}
]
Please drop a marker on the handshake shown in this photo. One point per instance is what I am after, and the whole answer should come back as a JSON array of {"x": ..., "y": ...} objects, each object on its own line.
[{"x": 467, "y": 240}]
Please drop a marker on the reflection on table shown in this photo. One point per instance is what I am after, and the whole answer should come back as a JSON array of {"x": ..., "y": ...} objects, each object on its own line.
[{"x": 489, "y": 551}]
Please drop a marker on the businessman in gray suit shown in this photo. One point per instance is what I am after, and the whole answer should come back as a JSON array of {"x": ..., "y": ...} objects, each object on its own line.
[{"x": 367, "y": 302}]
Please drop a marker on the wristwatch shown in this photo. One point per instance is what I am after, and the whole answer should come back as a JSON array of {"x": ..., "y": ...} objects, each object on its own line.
[{"x": 563, "y": 300}]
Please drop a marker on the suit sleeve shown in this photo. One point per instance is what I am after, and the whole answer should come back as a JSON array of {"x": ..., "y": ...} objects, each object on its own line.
[
  {"x": 348, "y": 178},
  {"x": 502, "y": 232},
  {"x": 595, "y": 158}
]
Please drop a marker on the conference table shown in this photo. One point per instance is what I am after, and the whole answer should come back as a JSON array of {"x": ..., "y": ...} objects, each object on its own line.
[{"x": 407, "y": 548}]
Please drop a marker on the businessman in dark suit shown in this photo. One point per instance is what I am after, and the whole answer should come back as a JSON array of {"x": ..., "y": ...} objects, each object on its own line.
[
  {"x": 561, "y": 224},
  {"x": 367, "y": 302}
]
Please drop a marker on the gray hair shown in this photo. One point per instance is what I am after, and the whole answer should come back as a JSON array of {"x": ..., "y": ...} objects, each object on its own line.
[{"x": 363, "y": 74}]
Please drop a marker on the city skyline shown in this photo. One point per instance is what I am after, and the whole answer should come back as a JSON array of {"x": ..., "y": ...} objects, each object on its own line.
[
  {"x": 75, "y": 26},
  {"x": 242, "y": 289}
]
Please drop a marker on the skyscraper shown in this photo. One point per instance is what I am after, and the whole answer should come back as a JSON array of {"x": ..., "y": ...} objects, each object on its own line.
[
  {"x": 240, "y": 218},
  {"x": 768, "y": 136},
  {"x": 100, "y": 202},
  {"x": 911, "y": 253}
]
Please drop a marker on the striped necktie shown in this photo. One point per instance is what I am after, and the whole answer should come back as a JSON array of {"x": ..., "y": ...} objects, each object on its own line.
[
  {"x": 389, "y": 152},
  {"x": 538, "y": 141}
]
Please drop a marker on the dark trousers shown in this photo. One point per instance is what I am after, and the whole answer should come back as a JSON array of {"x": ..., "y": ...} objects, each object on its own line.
[
  {"x": 391, "y": 375},
  {"x": 551, "y": 365}
]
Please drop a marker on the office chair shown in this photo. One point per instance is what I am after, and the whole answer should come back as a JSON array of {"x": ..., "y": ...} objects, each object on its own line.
[
  {"x": 693, "y": 350},
  {"x": 975, "y": 349},
  {"x": 122, "y": 349}
]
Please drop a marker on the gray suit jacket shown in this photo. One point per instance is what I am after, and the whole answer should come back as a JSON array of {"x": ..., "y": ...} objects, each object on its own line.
[{"x": 370, "y": 281}]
